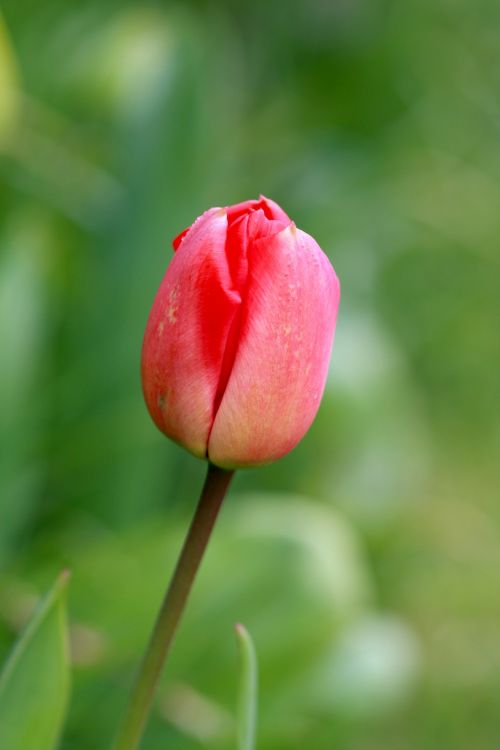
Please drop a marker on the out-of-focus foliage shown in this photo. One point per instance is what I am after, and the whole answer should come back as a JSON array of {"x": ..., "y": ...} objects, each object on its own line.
[
  {"x": 34, "y": 683},
  {"x": 366, "y": 563},
  {"x": 248, "y": 694}
]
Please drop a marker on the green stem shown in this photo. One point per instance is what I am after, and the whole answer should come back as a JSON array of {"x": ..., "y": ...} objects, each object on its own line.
[{"x": 212, "y": 495}]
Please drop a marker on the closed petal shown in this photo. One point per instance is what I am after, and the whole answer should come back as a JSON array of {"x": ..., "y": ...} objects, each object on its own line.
[
  {"x": 286, "y": 333},
  {"x": 186, "y": 334}
]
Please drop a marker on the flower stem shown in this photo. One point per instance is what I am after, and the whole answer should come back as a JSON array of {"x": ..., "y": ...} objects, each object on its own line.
[{"x": 212, "y": 495}]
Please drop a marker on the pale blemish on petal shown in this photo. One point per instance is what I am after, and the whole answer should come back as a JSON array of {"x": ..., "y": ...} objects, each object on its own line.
[{"x": 173, "y": 304}]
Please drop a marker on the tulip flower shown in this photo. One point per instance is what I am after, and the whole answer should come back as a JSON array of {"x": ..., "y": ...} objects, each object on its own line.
[
  {"x": 234, "y": 364},
  {"x": 238, "y": 341}
]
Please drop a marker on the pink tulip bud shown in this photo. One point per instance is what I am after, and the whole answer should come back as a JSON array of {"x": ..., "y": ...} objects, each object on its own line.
[{"x": 238, "y": 341}]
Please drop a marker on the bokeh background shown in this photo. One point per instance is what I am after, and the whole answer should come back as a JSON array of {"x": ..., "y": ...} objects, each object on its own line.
[{"x": 367, "y": 563}]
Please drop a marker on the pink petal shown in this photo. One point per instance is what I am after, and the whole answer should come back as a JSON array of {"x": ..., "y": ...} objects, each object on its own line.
[
  {"x": 272, "y": 210},
  {"x": 285, "y": 339},
  {"x": 186, "y": 334}
]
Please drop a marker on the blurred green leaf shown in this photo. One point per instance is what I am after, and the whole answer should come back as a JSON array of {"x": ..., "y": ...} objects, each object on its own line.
[
  {"x": 247, "y": 701},
  {"x": 34, "y": 683},
  {"x": 9, "y": 99}
]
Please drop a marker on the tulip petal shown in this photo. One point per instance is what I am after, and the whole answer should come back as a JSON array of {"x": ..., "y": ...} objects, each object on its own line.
[
  {"x": 272, "y": 210},
  {"x": 186, "y": 334},
  {"x": 280, "y": 367}
]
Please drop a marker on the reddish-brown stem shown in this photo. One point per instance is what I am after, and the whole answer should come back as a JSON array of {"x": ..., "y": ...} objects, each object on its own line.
[{"x": 139, "y": 706}]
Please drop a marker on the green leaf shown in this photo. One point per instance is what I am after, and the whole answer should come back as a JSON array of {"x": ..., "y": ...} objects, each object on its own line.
[
  {"x": 247, "y": 702},
  {"x": 34, "y": 683},
  {"x": 9, "y": 78}
]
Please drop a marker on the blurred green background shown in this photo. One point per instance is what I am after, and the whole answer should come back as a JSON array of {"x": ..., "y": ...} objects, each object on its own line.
[{"x": 366, "y": 564}]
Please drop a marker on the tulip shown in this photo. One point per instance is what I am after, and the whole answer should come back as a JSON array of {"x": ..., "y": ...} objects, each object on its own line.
[
  {"x": 238, "y": 341},
  {"x": 234, "y": 364}
]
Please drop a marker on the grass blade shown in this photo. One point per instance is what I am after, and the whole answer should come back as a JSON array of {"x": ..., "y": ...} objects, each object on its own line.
[{"x": 247, "y": 700}]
